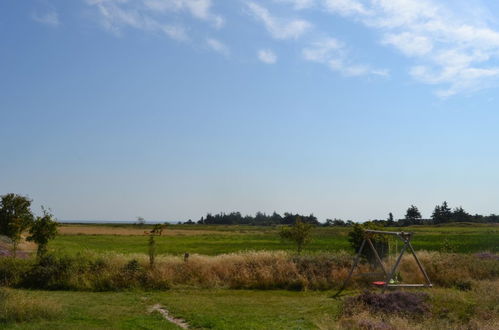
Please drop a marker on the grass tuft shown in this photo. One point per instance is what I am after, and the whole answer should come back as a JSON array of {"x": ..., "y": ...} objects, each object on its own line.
[{"x": 18, "y": 307}]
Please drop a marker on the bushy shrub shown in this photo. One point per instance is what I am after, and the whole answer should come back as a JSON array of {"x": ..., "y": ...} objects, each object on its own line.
[
  {"x": 12, "y": 270},
  {"x": 51, "y": 272}
]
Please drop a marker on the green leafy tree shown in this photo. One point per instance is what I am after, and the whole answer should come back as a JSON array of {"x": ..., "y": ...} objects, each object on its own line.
[
  {"x": 299, "y": 233},
  {"x": 42, "y": 230},
  {"x": 15, "y": 217}
]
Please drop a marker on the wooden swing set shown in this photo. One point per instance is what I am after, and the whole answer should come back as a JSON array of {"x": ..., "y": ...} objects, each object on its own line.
[{"x": 389, "y": 281}]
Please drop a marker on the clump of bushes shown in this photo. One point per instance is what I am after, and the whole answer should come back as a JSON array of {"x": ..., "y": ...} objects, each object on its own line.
[
  {"x": 401, "y": 303},
  {"x": 18, "y": 307}
]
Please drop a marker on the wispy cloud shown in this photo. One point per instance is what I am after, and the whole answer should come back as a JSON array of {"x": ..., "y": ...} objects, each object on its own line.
[
  {"x": 450, "y": 49},
  {"x": 200, "y": 9},
  {"x": 334, "y": 54},
  {"x": 298, "y": 4},
  {"x": 328, "y": 51},
  {"x": 50, "y": 18},
  {"x": 279, "y": 28},
  {"x": 267, "y": 56},
  {"x": 218, "y": 46},
  {"x": 153, "y": 15},
  {"x": 346, "y": 7}
]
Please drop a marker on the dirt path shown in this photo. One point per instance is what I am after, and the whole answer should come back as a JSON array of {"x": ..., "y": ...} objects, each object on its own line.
[{"x": 179, "y": 322}]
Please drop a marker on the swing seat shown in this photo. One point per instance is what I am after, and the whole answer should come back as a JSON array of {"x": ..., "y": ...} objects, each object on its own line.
[{"x": 379, "y": 283}]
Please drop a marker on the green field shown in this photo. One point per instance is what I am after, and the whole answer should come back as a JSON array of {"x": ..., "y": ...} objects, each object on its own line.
[
  {"x": 463, "y": 239},
  {"x": 220, "y": 309}
]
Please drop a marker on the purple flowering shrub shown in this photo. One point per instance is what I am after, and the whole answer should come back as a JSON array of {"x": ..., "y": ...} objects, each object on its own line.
[{"x": 400, "y": 303}]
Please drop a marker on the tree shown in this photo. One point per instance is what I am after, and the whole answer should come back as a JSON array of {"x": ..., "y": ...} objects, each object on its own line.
[
  {"x": 156, "y": 231},
  {"x": 442, "y": 214},
  {"x": 299, "y": 233},
  {"x": 412, "y": 215},
  {"x": 15, "y": 217},
  {"x": 460, "y": 215},
  {"x": 42, "y": 230},
  {"x": 390, "y": 221}
]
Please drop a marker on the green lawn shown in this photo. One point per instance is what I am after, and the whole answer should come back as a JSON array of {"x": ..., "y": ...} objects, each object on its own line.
[
  {"x": 245, "y": 309},
  {"x": 218, "y": 309},
  {"x": 464, "y": 239}
]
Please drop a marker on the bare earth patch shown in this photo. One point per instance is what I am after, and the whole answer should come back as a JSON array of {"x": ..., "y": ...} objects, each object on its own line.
[
  {"x": 179, "y": 322},
  {"x": 23, "y": 250}
]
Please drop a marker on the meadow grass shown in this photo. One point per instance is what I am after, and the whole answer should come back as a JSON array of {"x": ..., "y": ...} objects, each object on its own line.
[
  {"x": 213, "y": 240},
  {"x": 256, "y": 309},
  {"x": 20, "y": 306}
]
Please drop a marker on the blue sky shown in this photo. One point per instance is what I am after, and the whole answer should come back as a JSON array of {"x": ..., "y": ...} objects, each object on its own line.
[{"x": 168, "y": 109}]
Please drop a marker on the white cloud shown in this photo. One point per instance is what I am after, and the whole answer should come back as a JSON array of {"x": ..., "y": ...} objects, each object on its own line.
[
  {"x": 267, "y": 56},
  {"x": 153, "y": 15},
  {"x": 454, "y": 50},
  {"x": 298, "y": 4},
  {"x": 333, "y": 53},
  {"x": 50, "y": 18},
  {"x": 345, "y": 7},
  {"x": 218, "y": 46},
  {"x": 279, "y": 28},
  {"x": 409, "y": 43},
  {"x": 114, "y": 17},
  {"x": 198, "y": 8}
]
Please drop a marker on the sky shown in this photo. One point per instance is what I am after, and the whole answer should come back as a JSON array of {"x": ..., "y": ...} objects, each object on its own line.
[{"x": 169, "y": 109}]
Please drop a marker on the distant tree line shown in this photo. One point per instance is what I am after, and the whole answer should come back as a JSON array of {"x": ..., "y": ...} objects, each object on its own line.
[
  {"x": 259, "y": 219},
  {"x": 442, "y": 214}
]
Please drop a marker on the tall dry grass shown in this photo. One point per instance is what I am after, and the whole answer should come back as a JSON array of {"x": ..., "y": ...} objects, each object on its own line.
[{"x": 245, "y": 270}]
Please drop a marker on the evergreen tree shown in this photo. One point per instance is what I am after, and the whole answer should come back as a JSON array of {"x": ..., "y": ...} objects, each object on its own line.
[
  {"x": 442, "y": 214},
  {"x": 412, "y": 216}
]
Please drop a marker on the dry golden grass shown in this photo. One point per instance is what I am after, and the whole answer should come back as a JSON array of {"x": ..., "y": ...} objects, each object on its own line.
[{"x": 243, "y": 270}]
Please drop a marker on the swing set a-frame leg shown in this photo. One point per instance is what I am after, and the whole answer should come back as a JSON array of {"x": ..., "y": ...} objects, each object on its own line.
[
  {"x": 394, "y": 268},
  {"x": 354, "y": 265},
  {"x": 421, "y": 268}
]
